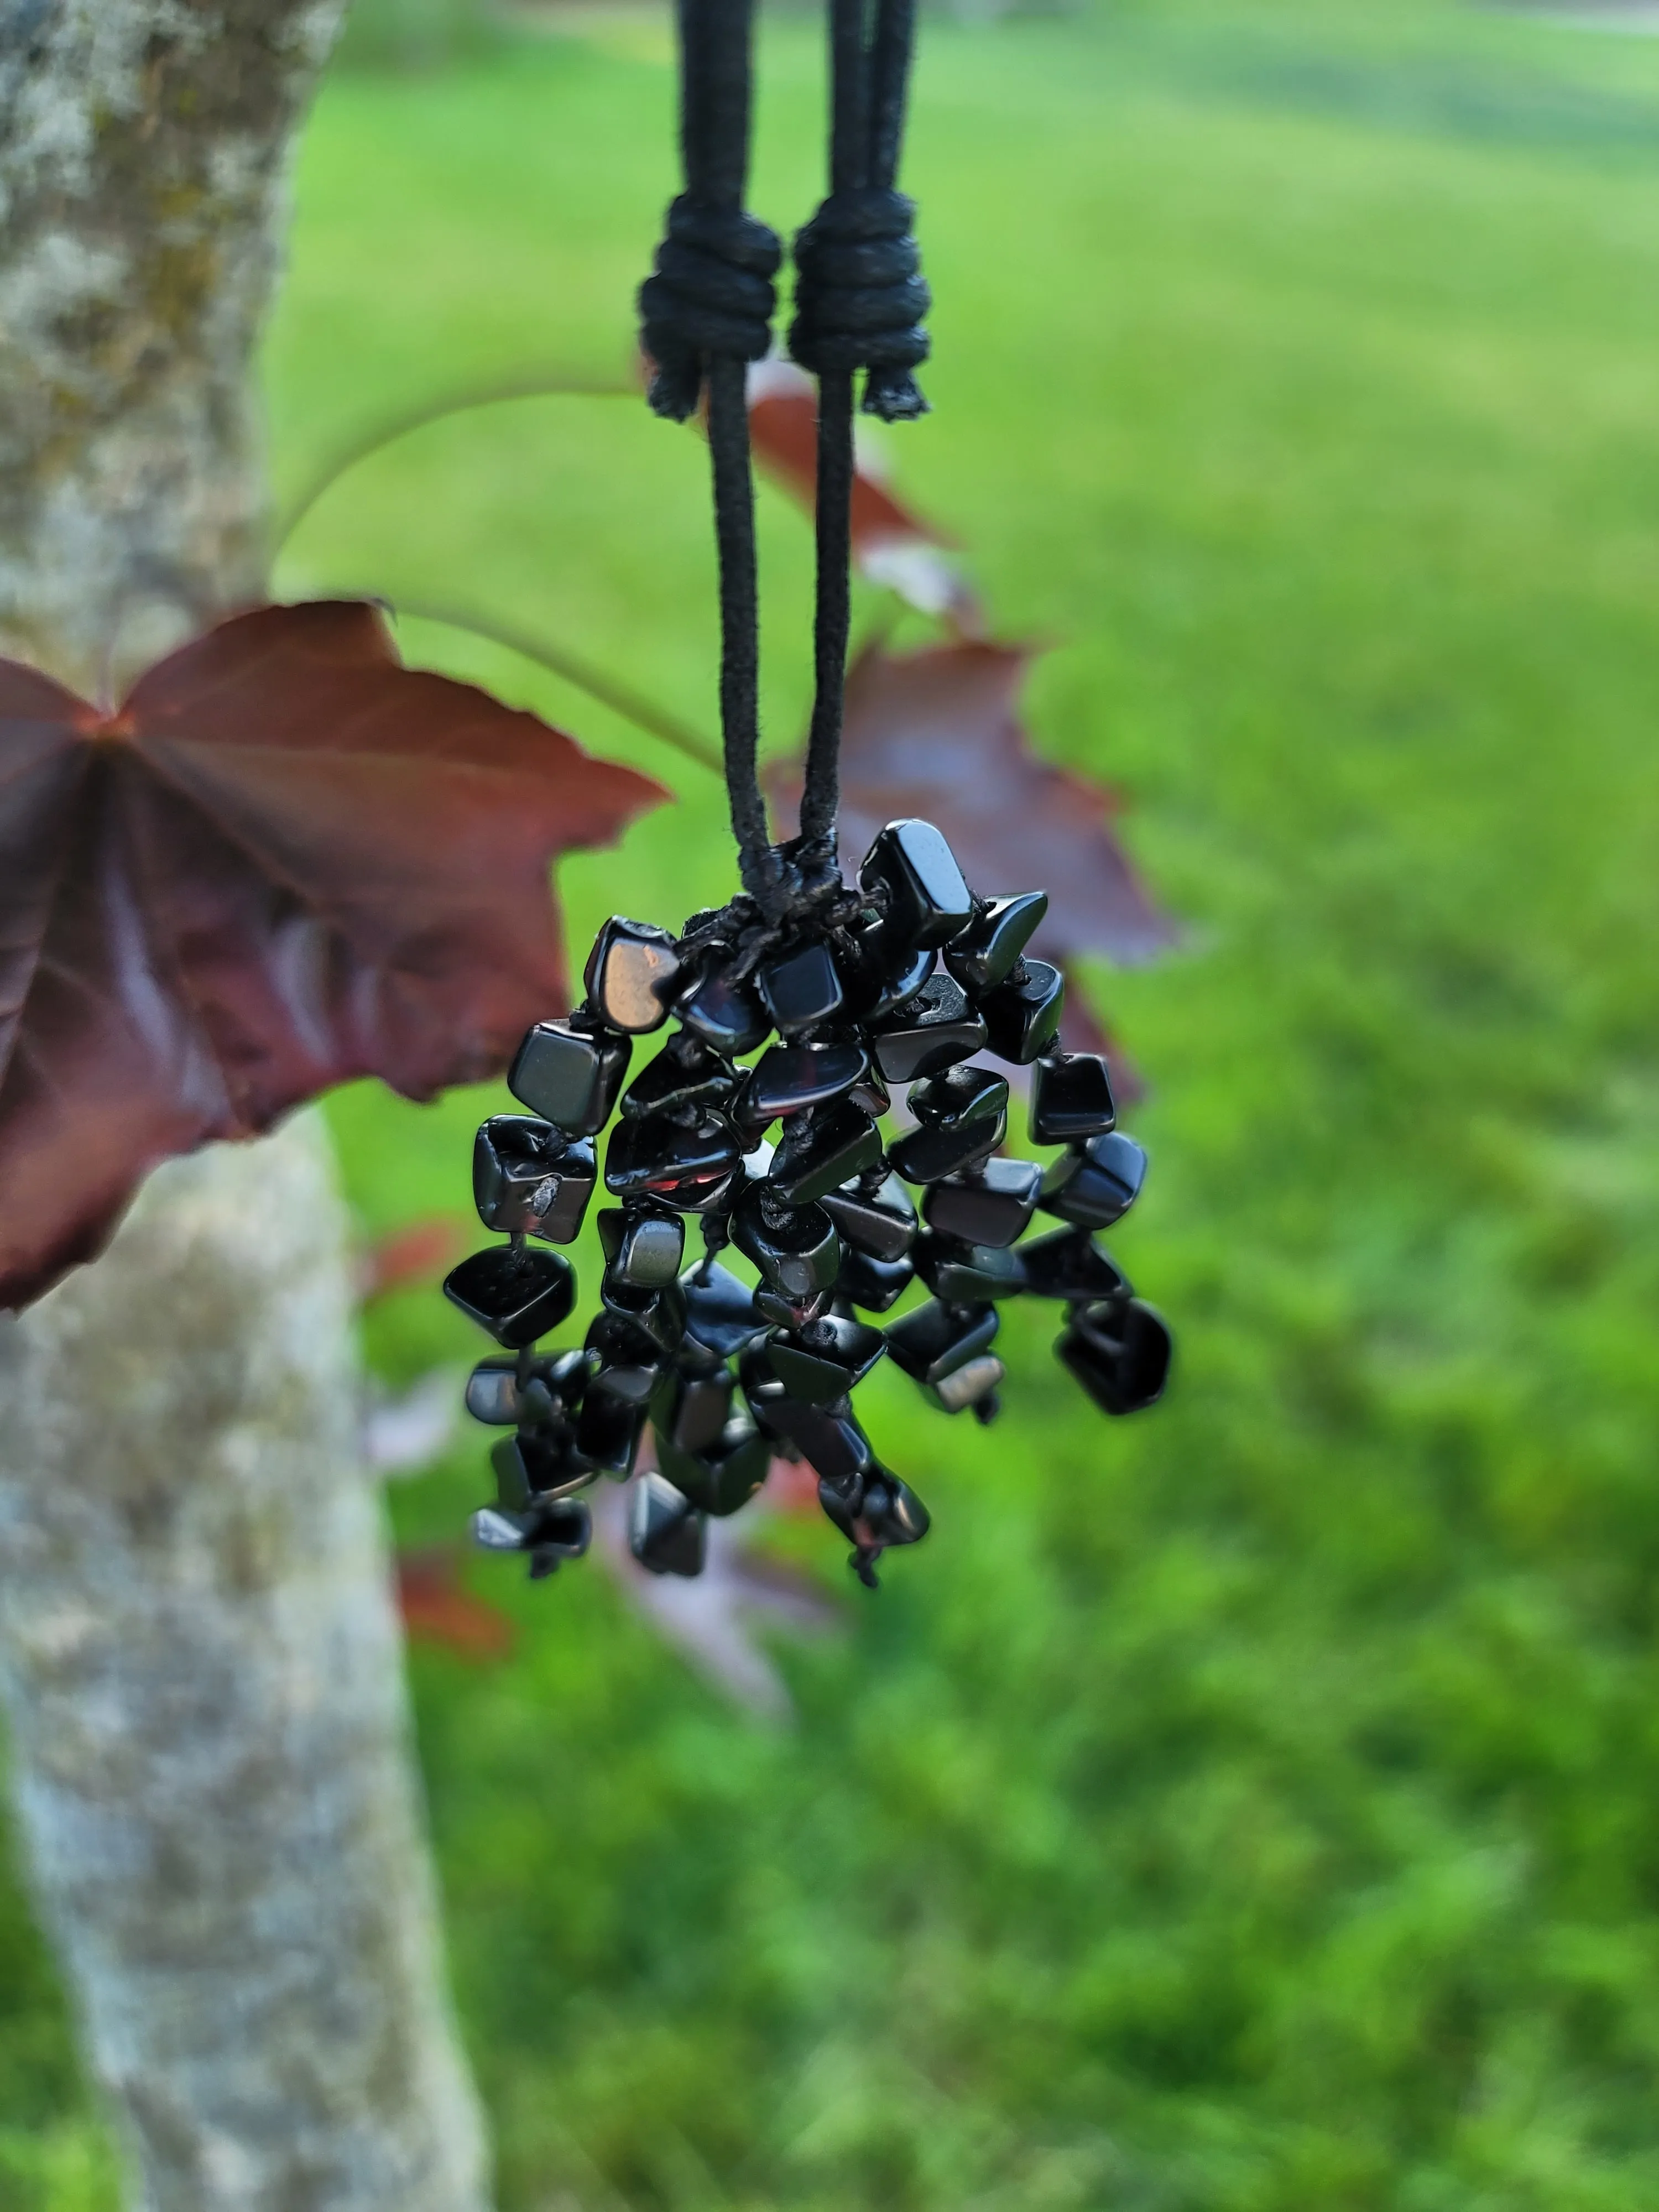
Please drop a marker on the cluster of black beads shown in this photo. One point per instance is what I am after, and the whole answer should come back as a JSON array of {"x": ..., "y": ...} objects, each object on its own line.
[{"x": 902, "y": 981}]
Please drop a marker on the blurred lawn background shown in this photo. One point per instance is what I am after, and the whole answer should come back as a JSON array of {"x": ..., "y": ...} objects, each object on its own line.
[{"x": 1253, "y": 1808}]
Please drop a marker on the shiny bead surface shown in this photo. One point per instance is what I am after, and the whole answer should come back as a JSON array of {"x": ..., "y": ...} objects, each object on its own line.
[
  {"x": 789, "y": 1078},
  {"x": 800, "y": 990},
  {"x": 927, "y": 1034},
  {"x": 642, "y": 1250},
  {"x": 798, "y": 1253},
  {"x": 570, "y": 1076},
  {"x": 719, "y": 1310},
  {"x": 680, "y": 1162},
  {"x": 966, "y": 1274},
  {"x": 882, "y": 1221},
  {"x": 987, "y": 950},
  {"x": 826, "y": 1360},
  {"x": 666, "y": 1531},
  {"x": 969, "y": 1385},
  {"x": 820, "y": 1150},
  {"x": 609, "y": 1431},
  {"x": 936, "y": 1150},
  {"x": 1022, "y": 1016},
  {"x": 684, "y": 1073},
  {"x": 724, "y": 1014},
  {"x": 1070, "y": 1098},
  {"x": 1096, "y": 1184},
  {"x": 936, "y": 1339},
  {"x": 874, "y": 1285},
  {"x": 1069, "y": 1264},
  {"x": 927, "y": 901},
  {"x": 721, "y": 1477},
  {"x": 991, "y": 1206},
  {"x": 517, "y": 1295},
  {"x": 527, "y": 1181},
  {"x": 632, "y": 973},
  {"x": 527, "y": 1468},
  {"x": 1119, "y": 1351}
]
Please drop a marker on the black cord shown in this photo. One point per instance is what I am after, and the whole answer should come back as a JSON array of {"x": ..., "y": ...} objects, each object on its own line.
[
  {"x": 859, "y": 300},
  {"x": 707, "y": 311}
]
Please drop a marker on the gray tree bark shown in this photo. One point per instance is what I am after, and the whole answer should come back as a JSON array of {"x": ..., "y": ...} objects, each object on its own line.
[{"x": 199, "y": 1656}]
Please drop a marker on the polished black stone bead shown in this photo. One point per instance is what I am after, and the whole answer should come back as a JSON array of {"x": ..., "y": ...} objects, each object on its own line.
[
  {"x": 892, "y": 1513},
  {"x": 802, "y": 989},
  {"x": 969, "y": 1386},
  {"x": 780, "y": 1312},
  {"x": 527, "y": 1181},
  {"x": 789, "y": 1078},
  {"x": 928, "y": 1155},
  {"x": 927, "y": 901},
  {"x": 796, "y": 1252},
  {"x": 691, "y": 1410},
  {"x": 632, "y": 974},
  {"x": 1096, "y": 1184},
  {"x": 826, "y": 1360},
  {"x": 609, "y": 1430},
  {"x": 1070, "y": 1265},
  {"x": 719, "y": 1310},
  {"x": 1119, "y": 1351},
  {"x": 881, "y": 970},
  {"x": 724, "y": 1014},
  {"x": 517, "y": 1295},
  {"x": 528, "y": 1468},
  {"x": 991, "y": 1206},
  {"x": 987, "y": 950},
  {"x": 963, "y": 1114},
  {"x": 643, "y": 1248},
  {"x": 1070, "y": 1098},
  {"x": 658, "y": 1314},
  {"x": 570, "y": 1075},
  {"x": 626, "y": 1356},
  {"x": 560, "y": 1530},
  {"x": 936, "y": 1339},
  {"x": 726, "y": 1474},
  {"x": 830, "y": 1442},
  {"x": 966, "y": 1274},
  {"x": 875, "y": 1284},
  {"x": 686, "y": 1165},
  {"x": 666, "y": 1532},
  {"x": 821, "y": 1151},
  {"x": 496, "y": 1394},
  {"x": 881, "y": 1221},
  {"x": 684, "y": 1073},
  {"x": 928, "y": 1033},
  {"x": 872, "y": 1096},
  {"x": 1022, "y": 1016}
]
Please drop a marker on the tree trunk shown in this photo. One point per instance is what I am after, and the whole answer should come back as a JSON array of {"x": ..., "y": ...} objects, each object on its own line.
[{"x": 198, "y": 1653}]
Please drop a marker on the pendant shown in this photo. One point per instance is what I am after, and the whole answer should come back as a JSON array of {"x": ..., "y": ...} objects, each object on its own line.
[{"x": 906, "y": 981}]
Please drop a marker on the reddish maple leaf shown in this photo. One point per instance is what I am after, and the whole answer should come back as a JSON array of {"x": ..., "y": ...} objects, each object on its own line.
[
  {"x": 437, "y": 1609},
  {"x": 285, "y": 859},
  {"x": 937, "y": 733},
  {"x": 890, "y": 543}
]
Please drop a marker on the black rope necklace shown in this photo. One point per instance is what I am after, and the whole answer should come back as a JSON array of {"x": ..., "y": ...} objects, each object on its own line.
[{"x": 900, "y": 980}]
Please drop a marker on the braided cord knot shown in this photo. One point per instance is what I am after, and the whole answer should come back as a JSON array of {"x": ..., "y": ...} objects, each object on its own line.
[
  {"x": 711, "y": 294},
  {"x": 860, "y": 298}
]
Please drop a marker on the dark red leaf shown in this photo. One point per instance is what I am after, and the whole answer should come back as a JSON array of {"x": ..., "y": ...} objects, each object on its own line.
[
  {"x": 436, "y": 1609},
  {"x": 413, "y": 1257},
  {"x": 937, "y": 733},
  {"x": 892, "y": 545},
  {"x": 284, "y": 861}
]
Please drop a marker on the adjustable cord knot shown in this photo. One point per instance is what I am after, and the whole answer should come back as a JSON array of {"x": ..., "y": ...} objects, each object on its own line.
[
  {"x": 860, "y": 298},
  {"x": 711, "y": 294}
]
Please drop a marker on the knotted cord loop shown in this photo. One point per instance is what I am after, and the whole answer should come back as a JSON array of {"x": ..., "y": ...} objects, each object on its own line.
[
  {"x": 712, "y": 294},
  {"x": 859, "y": 297},
  {"x": 859, "y": 300},
  {"x": 707, "y": 313}
]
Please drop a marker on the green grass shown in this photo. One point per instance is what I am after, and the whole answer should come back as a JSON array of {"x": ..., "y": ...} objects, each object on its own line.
[{"x": 1253, "y": 1808}]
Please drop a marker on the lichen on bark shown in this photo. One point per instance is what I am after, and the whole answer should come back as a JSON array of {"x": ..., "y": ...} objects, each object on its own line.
[{"x": 198, "y": 1654}]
